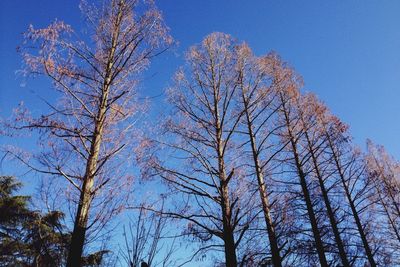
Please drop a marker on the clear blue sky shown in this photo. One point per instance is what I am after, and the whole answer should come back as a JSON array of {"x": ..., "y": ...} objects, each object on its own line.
[{"x": 347, "y": 51}]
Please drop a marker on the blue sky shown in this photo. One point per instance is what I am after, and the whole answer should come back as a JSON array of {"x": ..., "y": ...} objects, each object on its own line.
[{"x": 347, "y": 51}]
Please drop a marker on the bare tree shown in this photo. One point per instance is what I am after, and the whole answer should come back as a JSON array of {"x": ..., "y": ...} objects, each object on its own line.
[
  {"x": 146, "y": 240},
  {"x": 200, "y": 136},
  {"x": 86, "y": 134},
  {"x": 350, "y": 169},
  {"x": 287, "y": 84},
  {"x": 383, "y": 171},
  {"x": 260, "y": 127},
  {"x": 309, "y": 112}
]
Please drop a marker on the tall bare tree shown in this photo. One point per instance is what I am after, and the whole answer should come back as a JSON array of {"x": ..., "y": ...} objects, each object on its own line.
[
  {"x": 287, "y": 83},
  {"x": 260, "y": 127},
  {"x": 350, "y": 169},
  {"x": 384, "y": 171},
  {"x": 309, "y": 111},
  {"x": 86, "y": 134},
  {"x": 201, "y": 137}
]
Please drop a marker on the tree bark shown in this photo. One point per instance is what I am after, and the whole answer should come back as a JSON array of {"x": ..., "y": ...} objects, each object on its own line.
[
  {"x": 354, "y": 211},
  {"x": 81, "y": 218},
  {"x": 273, "y": 241},
  {"x": 228, "y": 235},
  {"x": 331, "y": 214},
  {"x": 306, "y": 194},
  {"x": 311, "y": 214},
  {"x": 228, "y": 232}
]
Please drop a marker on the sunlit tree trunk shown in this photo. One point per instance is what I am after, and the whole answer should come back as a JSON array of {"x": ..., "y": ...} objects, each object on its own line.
[
  {"x": 81, "y": 218},
  {"x": 309, "y": 109},
  {"x": 351, "y": 201},
  {"x": 327, "y": 202},
  {"x": 303, "y": 183},
  {"x": 257, "y": 102},
  {"x": 276, "y": 258},
  {"x": 228, "y": 234}
]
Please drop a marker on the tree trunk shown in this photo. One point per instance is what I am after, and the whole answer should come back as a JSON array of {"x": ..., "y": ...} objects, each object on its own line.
[
  {"x": 388, "y": 187},
  {"x": 226, "y": 209},
  {"x": 81, "y": 219},
  {"x": 273, "y": 241},
  {"x": 354, "y": 211},
  {"x": 391, "y": 221},
  {"x": 314, "y": 226},
  {"x": 79, "y": 232},
  {"x": 229, "y": 239},
  {"x": 228, "y": 234},
  {"x": 331, "y": 214},
  {"x": 306, "y": 194}
]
